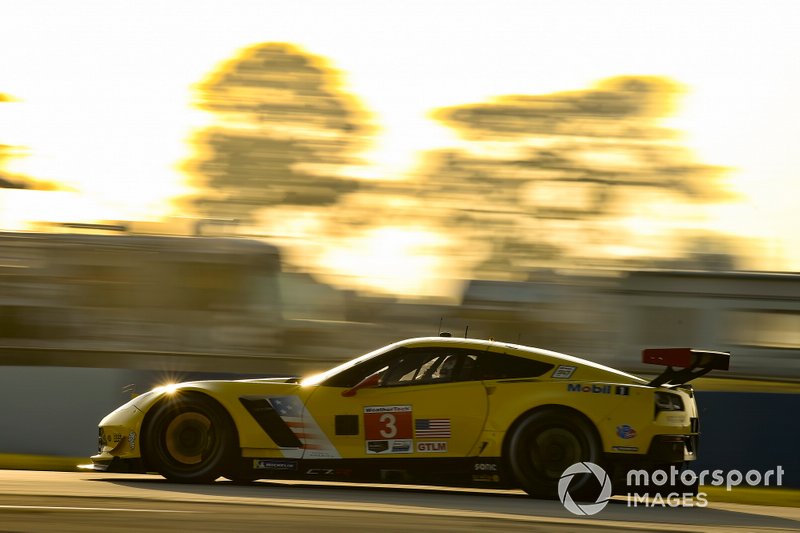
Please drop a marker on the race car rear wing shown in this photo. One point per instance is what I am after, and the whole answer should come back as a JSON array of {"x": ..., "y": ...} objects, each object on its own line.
[{"x": 692, "y": 364}]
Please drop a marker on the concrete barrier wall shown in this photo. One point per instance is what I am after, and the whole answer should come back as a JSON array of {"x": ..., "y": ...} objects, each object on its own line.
[
  {"x": 55, "y": 411},
  {"x": 750, "y": 431}
]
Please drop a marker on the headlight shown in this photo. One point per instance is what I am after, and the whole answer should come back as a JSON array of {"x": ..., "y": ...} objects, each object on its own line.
[{"x": 666, "y": 401}]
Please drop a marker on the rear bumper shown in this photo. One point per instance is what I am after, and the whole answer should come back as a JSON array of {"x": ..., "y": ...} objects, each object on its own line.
[
  {"x": 668, "y": 449},
  {"x": 664, "y": 450}
]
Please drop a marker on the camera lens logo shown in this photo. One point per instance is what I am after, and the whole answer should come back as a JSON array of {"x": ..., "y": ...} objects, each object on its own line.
[{"x": 586, "y": 508}]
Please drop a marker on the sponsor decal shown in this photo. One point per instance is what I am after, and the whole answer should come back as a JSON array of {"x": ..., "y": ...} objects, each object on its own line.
[
  {"x": 117, "y": 437},
  {"x": 563, "y": 372},
  {"x": 315, "y": 443},
  {"x": 626, "y": 432},
  {"x": 274, "y": 464},
  {"x": 428, "y": 446},
  {"x": 485, "y": 467},
  {"x": 593, "y": 388},
  {"x": 388, "y": 422},
  {"x": 132, "y": 439},
  {"x": 402, "y": 446},
  {"x": 390, "y": 446},
  {"x": 625, "y": 448},
  {"x": 388, "y": 409},
  {"x": 377, "y": 446},
  {"x": 432, "y": 427},
  {"x": 622, "y": 390}
]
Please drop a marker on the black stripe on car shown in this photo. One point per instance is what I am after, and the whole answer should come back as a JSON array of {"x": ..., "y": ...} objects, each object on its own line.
[{"x": 270, "y": 421}]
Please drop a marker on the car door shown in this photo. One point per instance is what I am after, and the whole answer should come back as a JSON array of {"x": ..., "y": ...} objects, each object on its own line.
[{"x": 422, "y": 402}]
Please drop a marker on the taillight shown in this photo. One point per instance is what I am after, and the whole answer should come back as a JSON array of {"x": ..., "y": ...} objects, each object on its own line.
[{"x": 667, "y": 401}]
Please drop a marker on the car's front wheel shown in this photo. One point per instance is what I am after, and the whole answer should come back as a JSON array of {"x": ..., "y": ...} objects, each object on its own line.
[
  {"x": 189, "y": 439},
  {"x": 544, "y": 444}
]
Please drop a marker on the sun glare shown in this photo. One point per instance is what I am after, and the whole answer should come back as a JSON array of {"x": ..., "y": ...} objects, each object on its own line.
[
  {"x": 168, "y": 388},
  {"x": 103, "y": 97},
  {"x": 391, "y": 259}
]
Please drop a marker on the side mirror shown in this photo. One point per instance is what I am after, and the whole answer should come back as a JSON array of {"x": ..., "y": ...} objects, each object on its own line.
[{"x": 373, "y": 380}]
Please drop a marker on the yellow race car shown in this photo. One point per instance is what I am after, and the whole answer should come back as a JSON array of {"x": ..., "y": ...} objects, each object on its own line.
[{"x": 435, "y": 410}]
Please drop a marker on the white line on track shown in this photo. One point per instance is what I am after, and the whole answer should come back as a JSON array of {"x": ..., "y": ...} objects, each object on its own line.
[{"x": 65, "y": 508}]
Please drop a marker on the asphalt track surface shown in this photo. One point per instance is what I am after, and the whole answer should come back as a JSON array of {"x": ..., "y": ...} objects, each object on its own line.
[{"x": 79, "y": 502}]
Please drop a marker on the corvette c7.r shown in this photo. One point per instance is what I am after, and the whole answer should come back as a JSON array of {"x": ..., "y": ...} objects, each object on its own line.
[{"x": 436, "y": 410}]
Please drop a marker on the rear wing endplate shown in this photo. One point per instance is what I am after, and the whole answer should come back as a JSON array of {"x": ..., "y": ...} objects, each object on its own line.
[{"x": 691, "y": 364}]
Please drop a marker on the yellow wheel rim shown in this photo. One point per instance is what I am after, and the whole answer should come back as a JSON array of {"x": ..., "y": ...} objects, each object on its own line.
[{"x": 187, "y": 437}]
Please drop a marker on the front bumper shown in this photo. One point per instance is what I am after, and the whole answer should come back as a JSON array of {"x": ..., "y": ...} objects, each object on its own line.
[{"x": 105, "y": 462}]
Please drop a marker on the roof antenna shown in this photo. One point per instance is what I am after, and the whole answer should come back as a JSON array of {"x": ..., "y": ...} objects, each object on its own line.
[
  {"x": 466, "y": 331},
  {"x": 440, "y": 325},
  {"x": 519, "y": 336}
]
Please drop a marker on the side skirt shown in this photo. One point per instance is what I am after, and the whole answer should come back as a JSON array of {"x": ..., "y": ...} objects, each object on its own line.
[{"x": 467, "y": 472}]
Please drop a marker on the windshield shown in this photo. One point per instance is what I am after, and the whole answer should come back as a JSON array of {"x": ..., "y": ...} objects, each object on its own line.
[{"x": 316, "y": 379}]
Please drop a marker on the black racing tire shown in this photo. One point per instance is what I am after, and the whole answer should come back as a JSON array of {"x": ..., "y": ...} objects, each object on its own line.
[
  {"x": 189, "y": 438},
  {"x": 544, "y": 444}
]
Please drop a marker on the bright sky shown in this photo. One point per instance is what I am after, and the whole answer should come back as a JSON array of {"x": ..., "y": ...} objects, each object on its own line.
[{"x": 104, "y": 86}]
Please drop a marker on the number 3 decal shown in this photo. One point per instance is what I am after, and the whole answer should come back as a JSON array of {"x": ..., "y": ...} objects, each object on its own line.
[
  {"x": 389, "y": 429},
  {"x": 388, "y": 422}
]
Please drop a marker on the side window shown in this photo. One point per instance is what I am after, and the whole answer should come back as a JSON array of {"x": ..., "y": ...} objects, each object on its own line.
[
  {"x": 413, "y": 368},
  {"x": 504, "y": 366},
  {"x": 427, "y": 366},
  {"x": 469, "y": 368}
]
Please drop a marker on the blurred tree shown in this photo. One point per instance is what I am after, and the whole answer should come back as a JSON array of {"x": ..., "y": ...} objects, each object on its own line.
[
  {"x": 285, "y": 132},
  {"x": 5, "y": 152},
  {"x": 554, "y": 172},
  {"x": 15, "y": 181}
]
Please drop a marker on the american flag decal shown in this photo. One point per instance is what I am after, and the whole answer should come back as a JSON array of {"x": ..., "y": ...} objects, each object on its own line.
[
  {"x": 287, "y": 406},
  {"x": 432, "y": 427},
  {"x": 315, "y": 443}
]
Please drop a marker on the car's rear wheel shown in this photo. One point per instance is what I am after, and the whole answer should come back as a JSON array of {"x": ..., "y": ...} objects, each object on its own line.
[
  {"x": 544, "y": 444},
  {"x": 189, "y": 439}
]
